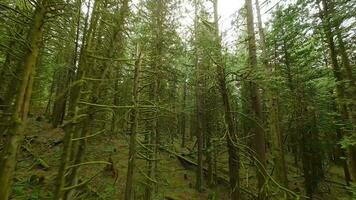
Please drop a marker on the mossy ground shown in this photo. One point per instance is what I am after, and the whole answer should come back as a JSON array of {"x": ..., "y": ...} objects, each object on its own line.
[{"x": 33, "y": 182}]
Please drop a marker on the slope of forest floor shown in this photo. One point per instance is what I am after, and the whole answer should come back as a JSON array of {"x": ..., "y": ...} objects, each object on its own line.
[{"x": 40, "y": 155}]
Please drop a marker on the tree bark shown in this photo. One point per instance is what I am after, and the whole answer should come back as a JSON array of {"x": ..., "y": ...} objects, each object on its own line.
[
  {"x": 59, "y": 104},
  {"x": 272, "y": 105},
  {"x": 340, "y": 85},
  {"x": 17, "y": 126},
  {"x": 198, "y": 104},
  {"x": 183, "y": 114},
  {"x": 231, "y": 138},
  {"x": 133, "y": 130},
  {"x": 71, "y": 127},
  {"x": 259, "y": 138}
]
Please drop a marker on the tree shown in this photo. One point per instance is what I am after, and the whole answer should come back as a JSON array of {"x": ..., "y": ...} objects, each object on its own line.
[
  {"x": 15, "y": 130},
  {"x": 231, "y": 131},
  {"x": 273, "y": 108},
  {"x": 259, "y": 138},
  {"x": 115, "y": 86},
  {"x": 345, "y": 111},
  {"x": 133, "y": 128},
  {"x": 199, "y": 103}
]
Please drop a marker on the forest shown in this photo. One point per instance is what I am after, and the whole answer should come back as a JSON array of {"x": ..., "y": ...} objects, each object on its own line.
[{"x": 177, "y": 99}]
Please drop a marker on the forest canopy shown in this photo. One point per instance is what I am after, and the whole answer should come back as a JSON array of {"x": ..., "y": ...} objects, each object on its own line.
[{"x": 167, "y": 100}]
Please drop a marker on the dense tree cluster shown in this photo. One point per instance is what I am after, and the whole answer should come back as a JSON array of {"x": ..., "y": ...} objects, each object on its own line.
[{"x": 280, "y": 102}]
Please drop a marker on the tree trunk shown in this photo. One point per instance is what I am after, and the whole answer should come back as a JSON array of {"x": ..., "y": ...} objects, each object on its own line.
[
  {"x": 340, "y": 85},
  {"x": 70, "y": 128},
  {"x": 133, "y": 130},
  {"x": 119, "y": 49},
  {"x": 198, "y": 104},
  {"x": 200, "y": 135},
  {"x": 259, "y": 138},
  {"x": 49, "y": 102},
  {"x": 59, "y": 105},
  {"x": 272, "y": 105},
  {"x": 78, "y": 152},
  {"x": 183, "y": 114},
  {"x": 231, "y": 138},
  {"x": 21, "y": 107},
  {"x": 209, "y": 151}
]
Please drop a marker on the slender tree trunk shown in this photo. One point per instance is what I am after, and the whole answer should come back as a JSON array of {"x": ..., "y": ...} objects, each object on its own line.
[
  {"x": 272, "y": 104},
  {"x": 78, "y": 152},
  {"x": 17, "y": 126},
  {"x": 345, "y": 59},
  {"x": 291, "y": 86},
  {"x": 49, "y": 103},
  {"x": 70, "y": 128},
  {"x": 231, "y": 138},
  {"x": 352, "y": 95},
  {"x": 59, "y": 105},
  {"x": 303, "y": 138},
  {"x": 198, "y": 104},
  {"x": 120, "y": 47},
  {"x": 133, "y": 129},
  {"x": 259, "y": 138},
  {"x": 199, "y": 132},
  {"x": 183, "y": 115},
  {"x": 65, "y": 158},
  {"x": 209, "y": 151},
  {"x": 65, "y": 76},
  {"x": 341, "y": 153}
]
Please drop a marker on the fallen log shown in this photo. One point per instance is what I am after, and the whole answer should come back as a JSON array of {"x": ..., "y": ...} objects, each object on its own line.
[{"x": 191, "y": 165}]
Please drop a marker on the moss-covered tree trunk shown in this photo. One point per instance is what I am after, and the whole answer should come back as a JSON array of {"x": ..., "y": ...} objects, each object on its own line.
[
  {"x": 133, "y": 129},
  {"x": 15, "y": 133},
  {"x": 71, "y": 126}
]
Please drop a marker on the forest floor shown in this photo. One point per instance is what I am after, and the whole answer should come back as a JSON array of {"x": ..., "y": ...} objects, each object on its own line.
[{"x": 42, "y": 147}]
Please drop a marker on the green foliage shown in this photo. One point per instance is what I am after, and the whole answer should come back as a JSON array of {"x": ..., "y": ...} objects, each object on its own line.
[
  {"x": 19, "y": 190},
  {"x": 352, "y": 189},
  {"x": 348, "y": 141},
  {"x": 30, "y": 190},
  {"x": 109, "y": 192},
  {"x": 303, "y": 80}
]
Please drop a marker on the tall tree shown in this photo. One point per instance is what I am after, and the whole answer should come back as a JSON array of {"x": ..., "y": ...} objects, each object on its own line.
[
  {"x": 133, "y": 128},
  {"x": 16, "y": 129},
  {"x": 258, "y": 131},
  {"x": 273, "y": 109},
  {"x": 231, "y": 139},
  {"x": 345, "y": 110},
  {"x": 198, "y": 102}
]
